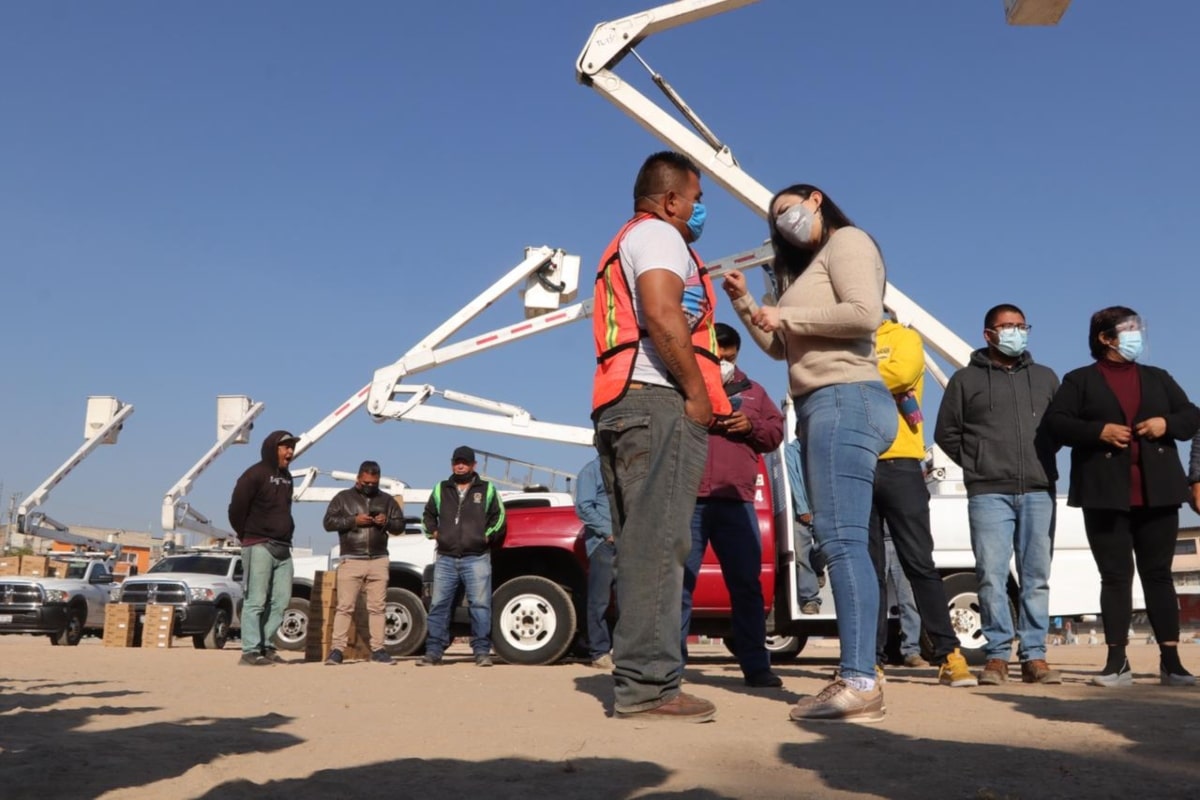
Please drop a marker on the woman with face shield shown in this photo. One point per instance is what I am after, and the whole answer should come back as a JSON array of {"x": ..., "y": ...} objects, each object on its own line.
[
  {"x": 831, "y": 281},
  {"x": 1121, "y": 420}
]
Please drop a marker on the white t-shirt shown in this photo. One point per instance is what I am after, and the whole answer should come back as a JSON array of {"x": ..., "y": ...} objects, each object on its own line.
[{"x": 650, "y": 245}]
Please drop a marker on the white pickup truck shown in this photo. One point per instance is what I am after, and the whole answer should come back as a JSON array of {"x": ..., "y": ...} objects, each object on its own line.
[
  {"x": 63, "y": 607},
  {"x": 205, "y": 586}
]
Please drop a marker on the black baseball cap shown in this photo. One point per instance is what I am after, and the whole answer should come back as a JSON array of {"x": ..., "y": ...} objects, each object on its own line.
[{"x": 463, "y": 453}]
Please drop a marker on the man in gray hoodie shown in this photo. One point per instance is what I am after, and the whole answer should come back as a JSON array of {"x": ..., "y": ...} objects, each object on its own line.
[{"x": 988, "y": 424}]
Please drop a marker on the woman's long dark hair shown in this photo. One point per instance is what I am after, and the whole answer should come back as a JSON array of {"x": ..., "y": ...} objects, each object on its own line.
[{"x": 791, "y": 261}]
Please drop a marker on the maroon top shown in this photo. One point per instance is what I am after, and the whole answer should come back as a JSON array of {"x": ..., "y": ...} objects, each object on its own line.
[{"x": 1126, "y": 383}]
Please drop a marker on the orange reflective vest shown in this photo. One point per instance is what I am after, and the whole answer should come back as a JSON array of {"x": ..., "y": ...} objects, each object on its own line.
[{"x": 616, "y": 333}]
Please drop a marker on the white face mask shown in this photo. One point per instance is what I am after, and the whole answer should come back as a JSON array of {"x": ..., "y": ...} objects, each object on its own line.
[{"x": 726, "y": 371}]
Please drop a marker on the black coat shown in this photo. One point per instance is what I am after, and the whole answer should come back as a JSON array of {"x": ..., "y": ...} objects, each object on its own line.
[{"x": 1100, "y": 472}]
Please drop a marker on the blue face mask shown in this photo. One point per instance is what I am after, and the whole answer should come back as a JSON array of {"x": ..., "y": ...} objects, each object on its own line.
[
  {"x": 1012, "y": 341},
  {"x": 695, "y": 223},
  {"x": 1129, "y": 345}
]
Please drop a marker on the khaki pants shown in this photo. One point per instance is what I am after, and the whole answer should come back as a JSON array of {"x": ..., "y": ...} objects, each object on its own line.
[{"x": 353, "y": 575}]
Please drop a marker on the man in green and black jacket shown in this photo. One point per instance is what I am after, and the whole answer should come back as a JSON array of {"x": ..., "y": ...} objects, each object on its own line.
[{"x": 465, "y": 516}]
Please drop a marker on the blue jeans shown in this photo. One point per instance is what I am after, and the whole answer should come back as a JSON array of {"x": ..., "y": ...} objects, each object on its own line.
[
  {"x": 602, "y": 576},
  {"x": 1004, "y": 525},
  {"x": 910, "y": 620},
  {"x": 267, "y": 584},
  {"x": 732, "y": 528},
  {"x": 809, "y": 565},
  {"x": 652, "y": 458},
  {"x": 475, "y": 574},
  {"x": 844, "y": 428}
]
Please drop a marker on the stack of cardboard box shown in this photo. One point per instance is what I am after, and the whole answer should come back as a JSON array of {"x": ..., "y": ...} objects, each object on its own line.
[
  {"x": 321, "y": 606},
  {"x": 35, "y": 566},
  {"x": 10, "y": 565},
  {"x": 119, "y": 625},
  {"x": 156, "y": 629}
]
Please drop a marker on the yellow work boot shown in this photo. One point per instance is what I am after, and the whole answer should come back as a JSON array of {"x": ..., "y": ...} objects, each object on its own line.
[{"x": 954, "y": 672}]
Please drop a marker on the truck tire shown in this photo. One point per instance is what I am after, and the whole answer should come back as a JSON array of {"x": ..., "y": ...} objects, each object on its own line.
[
  {"x": 533, "y": 621},
  {"x": 217, "y": 635},
  {"x": 293, "y": 631},
  {"x": 966, "y": 617},
  {"x": 72, "y": 632},
  {"x": 404, "y": 622},
  {"x": 781, "y": 649}
]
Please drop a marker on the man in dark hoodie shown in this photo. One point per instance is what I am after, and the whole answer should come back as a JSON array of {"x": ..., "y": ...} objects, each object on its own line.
[
  {"x": 466, "y": 517},
  {"x": 260, "y": 512},
  {"x": 989, "y": 425}
]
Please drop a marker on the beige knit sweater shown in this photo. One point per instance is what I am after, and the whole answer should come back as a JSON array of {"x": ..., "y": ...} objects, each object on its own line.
[{"x": 828, "y": 316}]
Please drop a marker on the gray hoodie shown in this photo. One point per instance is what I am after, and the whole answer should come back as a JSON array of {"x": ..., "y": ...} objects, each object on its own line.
[{"x": 989, "y": 425}]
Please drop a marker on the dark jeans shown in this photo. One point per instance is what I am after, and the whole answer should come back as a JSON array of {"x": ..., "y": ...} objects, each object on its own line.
[
  {"x": 652, "y": 458},
  {"x": 732, "y": 528},
  {"x": 602, "y": 576},
  {"x": 901, "y": 501},
  {"x": 1115, "y": 538}
]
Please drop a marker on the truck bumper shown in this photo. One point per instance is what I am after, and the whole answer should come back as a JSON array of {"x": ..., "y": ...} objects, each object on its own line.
[{"x": 48, "y": 619}]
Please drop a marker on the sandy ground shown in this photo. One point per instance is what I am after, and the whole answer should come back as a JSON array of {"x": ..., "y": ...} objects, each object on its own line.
[{"x": 91, "y": 722}]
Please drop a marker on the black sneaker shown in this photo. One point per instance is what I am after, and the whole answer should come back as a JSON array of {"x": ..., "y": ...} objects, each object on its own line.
[
  {"x": 483, "y": 660},
  {"x": 335, "y": 658},
  {"x": 429, "y": 661},
  {"x": 381, "y": 657},
  {"x": 254, "y": 660},
  {"x": 272, "y": 655},
  {"x": 764, "y": 680}
]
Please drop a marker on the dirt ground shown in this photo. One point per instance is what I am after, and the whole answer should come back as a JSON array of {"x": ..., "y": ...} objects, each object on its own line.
[{"x": 92, "y": 722}]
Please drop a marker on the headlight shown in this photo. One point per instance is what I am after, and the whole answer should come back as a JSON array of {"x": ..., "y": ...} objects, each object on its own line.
[
  {"x": 200, "y": 594},
  {"x": 114, "y": 593},
  {"x": 57, "y": 595}
]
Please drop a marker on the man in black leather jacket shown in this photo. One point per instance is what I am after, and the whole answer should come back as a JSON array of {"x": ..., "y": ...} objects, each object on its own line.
[{"x": 363, "y": 517}]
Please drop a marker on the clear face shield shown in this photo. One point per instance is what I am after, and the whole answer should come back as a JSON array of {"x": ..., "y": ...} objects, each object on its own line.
[{"x": 1133, "y": 323}]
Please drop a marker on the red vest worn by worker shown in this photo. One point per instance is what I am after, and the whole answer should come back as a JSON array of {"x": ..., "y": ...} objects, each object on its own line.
[{"x": 616, "y": 332}]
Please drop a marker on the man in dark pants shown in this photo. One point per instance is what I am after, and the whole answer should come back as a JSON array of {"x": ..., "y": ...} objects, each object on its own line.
[
  {"x": 592, "y": 506},
  {"x": 901, "y": 501},
  {"x": 260, "y": 512},
  {"x": 725, "y": 515},
  {"x": 656, "y": 390}
]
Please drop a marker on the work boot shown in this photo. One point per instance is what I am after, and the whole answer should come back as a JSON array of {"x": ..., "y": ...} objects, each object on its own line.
[
  {"x": 272, "y": 655},
  {"x": 483, "y": 660},
  {"x": 682, "y": 707},
  {"x": 764, "y": 680},
  {"x": 955, "y": 671},
  {"x": 335, "y": 658},
  {"x": 811, "y": 607},
  {"x": 603, "y": 661},
  {"x": 254, "y": 660},
  {"x": 995, "y": 672},
  {"x": 915, "y": 661},
  {"x": 1036, "y": 670},
  {"x": 429, "y": 660},
  {"x": 840, "y": 702},
  {"x": 381, "y": 657}
]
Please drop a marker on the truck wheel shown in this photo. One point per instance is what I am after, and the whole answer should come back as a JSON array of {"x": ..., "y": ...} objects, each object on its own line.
[
  {"x": 217, "y": 635},
  {"x": 781, "y": 649},
  {"x": 533, "y": 621},
  {"x": 966, "y": 617},
  {"x": 404, "y": 622},
  {"x": 293, "y": 631},
  {"x": 72, "y": 632}
]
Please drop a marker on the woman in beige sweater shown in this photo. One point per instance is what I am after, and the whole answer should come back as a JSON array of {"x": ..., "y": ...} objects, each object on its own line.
[{"x": 830, "y": 278}]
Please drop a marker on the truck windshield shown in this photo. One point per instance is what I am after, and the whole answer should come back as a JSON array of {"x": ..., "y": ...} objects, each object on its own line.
[
  {"x": 203, "y": 565},
  {"x": 73, "y": 570}
]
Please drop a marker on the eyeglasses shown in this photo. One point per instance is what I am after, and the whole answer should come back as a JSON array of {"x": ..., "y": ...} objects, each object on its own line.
[{"x": 1022, "y": 327}]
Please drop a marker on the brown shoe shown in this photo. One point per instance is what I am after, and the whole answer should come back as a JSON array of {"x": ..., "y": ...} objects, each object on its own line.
[
  {"x": 1036, "y": 670},
  {"x": 995, "y": 672},
  {"x": 682, "y": 707}
]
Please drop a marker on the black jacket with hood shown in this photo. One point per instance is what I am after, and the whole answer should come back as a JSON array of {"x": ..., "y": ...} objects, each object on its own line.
[
  {"x": 369, "y": 541},
  {"x": 261, "y": 506},
  {"x": 989, "y": 424},
  {"x": 466, "y": 527}
]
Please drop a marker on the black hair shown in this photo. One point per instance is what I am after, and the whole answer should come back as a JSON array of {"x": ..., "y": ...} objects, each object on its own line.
[
  {"x": 663, "y": 172},
  {"x": 989, "y": 319},
  {"x": 368, "y": 468},
  {"x": 727, "y": 336},
  {"x": 791, "y": 261},
  {"x": 1105, "y": 321}
]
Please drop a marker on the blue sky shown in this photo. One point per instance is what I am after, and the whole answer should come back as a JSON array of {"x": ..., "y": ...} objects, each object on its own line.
[{"x": 277, "y": 198}]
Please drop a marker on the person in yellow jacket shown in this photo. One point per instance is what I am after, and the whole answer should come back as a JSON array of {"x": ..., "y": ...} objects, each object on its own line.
[{"x": 901, "y": 502}]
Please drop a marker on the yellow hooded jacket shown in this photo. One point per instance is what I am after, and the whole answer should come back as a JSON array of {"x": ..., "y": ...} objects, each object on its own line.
[{"x": 901, "y": 355}]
